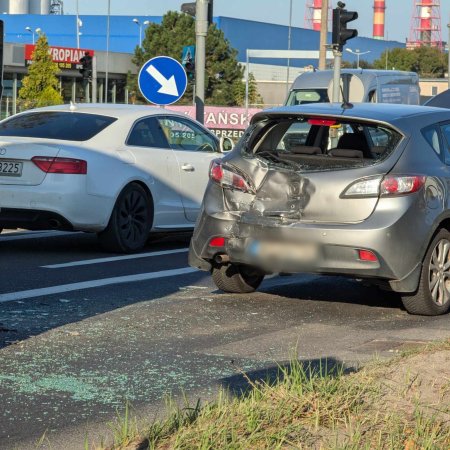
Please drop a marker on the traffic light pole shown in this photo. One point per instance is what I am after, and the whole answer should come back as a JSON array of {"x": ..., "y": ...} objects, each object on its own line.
[
  {"x": 337, "y": 74},
  {"x": 201, "y": 29}
]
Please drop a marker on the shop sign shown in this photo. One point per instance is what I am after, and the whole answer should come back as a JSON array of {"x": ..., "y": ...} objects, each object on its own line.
[
  {"x": 221, "y": 120},
  {"x": 65, "y": 57}
]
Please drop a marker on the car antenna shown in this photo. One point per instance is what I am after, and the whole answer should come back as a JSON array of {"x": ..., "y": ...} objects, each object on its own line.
[
  {"x": 346, "y": 104},
  {"x": 73, "y": 106}
]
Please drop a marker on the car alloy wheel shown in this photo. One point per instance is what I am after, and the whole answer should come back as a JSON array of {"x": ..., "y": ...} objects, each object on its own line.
[
  {"x": 439, "y": 273},
  {"x": 432, "y": 296},
  {"x": 133, "y": 217},
  {"x": 130, "y": 222}
]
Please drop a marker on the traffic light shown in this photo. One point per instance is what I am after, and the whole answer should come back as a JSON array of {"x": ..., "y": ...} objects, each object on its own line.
[
  {"x": 190, "y": 8},
  {"x": 341, "y": 34},
  {"x": 189, "y": 67},
  {"x": 86, "y": 63}
]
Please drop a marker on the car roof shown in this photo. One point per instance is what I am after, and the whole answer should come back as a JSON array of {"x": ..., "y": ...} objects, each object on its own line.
[
  {"x": 380, "y": 112},
  {"x": 322, "y": 78},
  {"x": 109, "y": 109}
]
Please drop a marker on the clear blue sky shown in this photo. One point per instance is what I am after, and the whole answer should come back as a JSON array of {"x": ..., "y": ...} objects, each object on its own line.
[{"x": 398, "y": 11}]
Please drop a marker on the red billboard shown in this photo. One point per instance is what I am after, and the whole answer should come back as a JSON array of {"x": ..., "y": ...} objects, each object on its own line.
[{"x": 65, "y": 57}]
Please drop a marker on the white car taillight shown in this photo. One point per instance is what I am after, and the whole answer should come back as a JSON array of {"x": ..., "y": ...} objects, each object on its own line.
[
  {"x": 390, "y": 185},
  {"x": 228, "y": 178}
]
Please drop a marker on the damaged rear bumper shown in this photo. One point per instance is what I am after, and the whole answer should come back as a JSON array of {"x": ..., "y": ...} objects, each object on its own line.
[{"x": 392, "y": 234}]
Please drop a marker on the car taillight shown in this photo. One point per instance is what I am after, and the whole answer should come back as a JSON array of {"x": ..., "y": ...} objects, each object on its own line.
[
  {"x": 390, "y": 185},
  {"x": 399, "y": 185},
  {"x": 227, "y": 177},
  {"x": 60, "y": 165}
]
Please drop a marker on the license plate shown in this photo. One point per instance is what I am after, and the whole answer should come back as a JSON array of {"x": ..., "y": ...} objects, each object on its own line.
[
  {"x": 11, "y": 168},
  {"x": 283, "y": 251}
]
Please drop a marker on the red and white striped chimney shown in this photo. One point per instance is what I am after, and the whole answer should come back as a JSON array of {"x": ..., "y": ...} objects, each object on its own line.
[
  {"x": 317, "y": 15},
  {"x": 379, "y": 14}
]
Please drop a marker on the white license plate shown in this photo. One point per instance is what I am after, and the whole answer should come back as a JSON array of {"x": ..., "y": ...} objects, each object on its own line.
[
  {"x": 282, "y": 251},
  {"x": 11, "y": 168}
]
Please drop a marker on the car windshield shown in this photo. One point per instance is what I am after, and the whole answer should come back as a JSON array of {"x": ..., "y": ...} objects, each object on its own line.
[
  {"x": 318, "y": 143},
  {"x": 67, "y": 126}
]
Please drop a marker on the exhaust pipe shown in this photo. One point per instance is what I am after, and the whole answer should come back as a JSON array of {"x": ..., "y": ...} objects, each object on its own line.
[{"x": 222, "y": 259}]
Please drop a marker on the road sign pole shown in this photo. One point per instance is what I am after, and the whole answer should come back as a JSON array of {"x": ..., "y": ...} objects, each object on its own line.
[
  {"x": 94, "y": 79},
  {"x": 337, "y": 74},
  {"x": 201, "y": 29}
]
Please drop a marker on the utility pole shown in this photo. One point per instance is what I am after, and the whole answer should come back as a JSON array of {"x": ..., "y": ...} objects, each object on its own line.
[
  {"x": 201, "y": 30},
  {"x": 323, "y": 36},
  {"x": 448, "y": 45}
]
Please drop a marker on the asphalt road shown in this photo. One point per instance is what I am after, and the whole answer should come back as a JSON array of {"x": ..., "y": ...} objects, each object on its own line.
[{"x": 83, "y": 332}]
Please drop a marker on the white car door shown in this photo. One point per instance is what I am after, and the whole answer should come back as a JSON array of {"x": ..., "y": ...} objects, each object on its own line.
[
  {"x": 153, "y": 154},
  {"x": 194, "y": 149}
]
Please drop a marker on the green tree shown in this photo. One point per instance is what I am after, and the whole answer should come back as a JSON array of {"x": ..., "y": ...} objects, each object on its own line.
[
  {"x": 428, "y": 62},
  {"x": 40, "y": 86},
  {"x": 254, "y": 99},
  {"x": 168, "y": 38}
]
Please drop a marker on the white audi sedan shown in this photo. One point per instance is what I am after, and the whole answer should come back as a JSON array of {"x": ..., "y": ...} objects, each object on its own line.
[{"x": 121, "y": 171}]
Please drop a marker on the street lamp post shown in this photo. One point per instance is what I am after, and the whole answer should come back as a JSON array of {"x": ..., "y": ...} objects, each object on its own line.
[
  {"x": 136, "y": 21},
  {"x": 358, "y": 54},
  {"x": 33, "y": 32}
]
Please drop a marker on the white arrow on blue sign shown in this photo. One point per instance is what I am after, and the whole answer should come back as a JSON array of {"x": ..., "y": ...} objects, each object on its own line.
[{"x": 162, "y": 80}]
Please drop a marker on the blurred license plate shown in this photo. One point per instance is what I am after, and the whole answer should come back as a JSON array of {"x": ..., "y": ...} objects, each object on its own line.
[
  {"x": 283, "y": 251},
  {"x": 11, "y": 168}
]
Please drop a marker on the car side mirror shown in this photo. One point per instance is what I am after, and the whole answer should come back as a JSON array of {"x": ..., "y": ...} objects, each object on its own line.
[{"x": 226, "y": 144}]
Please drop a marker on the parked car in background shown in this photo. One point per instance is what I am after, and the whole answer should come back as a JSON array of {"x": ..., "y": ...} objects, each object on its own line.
[
  {"x": 358, "y": 85},
  {"x": 118, "y": 170},
  {"x": 366, "y": 195}
]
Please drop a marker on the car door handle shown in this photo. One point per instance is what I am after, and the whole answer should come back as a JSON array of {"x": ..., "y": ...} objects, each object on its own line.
[{"x": 188, "y": 168}]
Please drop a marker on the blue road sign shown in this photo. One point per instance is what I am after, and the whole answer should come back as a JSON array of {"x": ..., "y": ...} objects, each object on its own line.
[
  {"x": 188, "y": 54},
  {"x": 162, "y": 80}
]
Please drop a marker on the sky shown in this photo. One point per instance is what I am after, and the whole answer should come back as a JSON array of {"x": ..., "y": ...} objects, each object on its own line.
[{"x": 398, "y": 14}]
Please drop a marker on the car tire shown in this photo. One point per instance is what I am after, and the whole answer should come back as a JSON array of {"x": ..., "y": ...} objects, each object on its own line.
[
  {"x": 237, "y": 279},
  {"x": 432, "y": 297},
  {"x": 130, "y": 222}
]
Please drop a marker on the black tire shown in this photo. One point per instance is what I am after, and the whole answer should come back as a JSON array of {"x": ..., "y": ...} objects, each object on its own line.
[
  {"x": 432, "y": 297},
  {"x": 237, "y": 279},
  {"x": 130, "y": 222}
]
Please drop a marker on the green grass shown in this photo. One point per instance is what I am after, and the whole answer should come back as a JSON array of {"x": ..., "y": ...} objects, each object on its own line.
[{"x": 307, "y": 407}]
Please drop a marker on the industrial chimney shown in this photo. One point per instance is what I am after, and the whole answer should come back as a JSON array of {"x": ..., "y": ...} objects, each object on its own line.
[
  {"x": 313, "y": 14},
  {"x": 379, "y": 15},
  {"x": 426, "y": 24}
]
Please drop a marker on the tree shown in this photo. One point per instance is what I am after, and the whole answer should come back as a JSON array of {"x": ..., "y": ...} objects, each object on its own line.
[
  {"x": 40, "y": 86},
  {"x": 253, "y": 95},
  {"x": 168, "y": 38},
  {"x": 428, "y": 62}
]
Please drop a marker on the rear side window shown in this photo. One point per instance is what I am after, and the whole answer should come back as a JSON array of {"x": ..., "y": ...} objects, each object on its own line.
[
  {"x": 66, "y": 126},
  {"x": 431, "y": 135},
  {"x": 446, "y": 133}
]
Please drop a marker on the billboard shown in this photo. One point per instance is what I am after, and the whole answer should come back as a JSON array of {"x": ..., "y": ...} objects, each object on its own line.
[{"x": 65, "y": 57}]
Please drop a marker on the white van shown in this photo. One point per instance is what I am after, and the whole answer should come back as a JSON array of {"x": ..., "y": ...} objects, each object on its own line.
[{"x": 358, "y": 85}]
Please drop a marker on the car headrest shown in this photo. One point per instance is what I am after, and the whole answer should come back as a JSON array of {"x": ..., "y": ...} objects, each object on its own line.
[
  {"x": 352, "y": 141},
  {"x": 346, "y": 153},
  {"x": 306, "y": 150}
]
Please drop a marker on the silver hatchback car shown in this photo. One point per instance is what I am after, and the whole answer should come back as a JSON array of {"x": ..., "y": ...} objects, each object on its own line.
[{"x": 361, "y": 191}]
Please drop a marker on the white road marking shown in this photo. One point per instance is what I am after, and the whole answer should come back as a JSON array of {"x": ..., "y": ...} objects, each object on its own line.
[
  {"x": 19, "y": 236},
  {"x": 13, "y": 296},
  {"x": 114, "y": 259}
]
